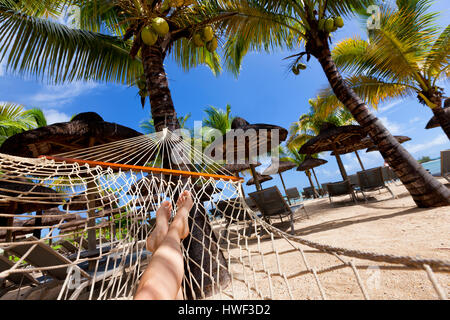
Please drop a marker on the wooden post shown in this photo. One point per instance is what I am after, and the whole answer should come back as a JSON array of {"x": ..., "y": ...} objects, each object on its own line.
[
  {"x": 341, "y": 165},
  {"x": 255, "y": 177},
  {"x": 284, "y": 186},
  {"x": 315, "y": 177},
  {"x": 359, "y": 159},
  {"x": 38, "y": 223}
]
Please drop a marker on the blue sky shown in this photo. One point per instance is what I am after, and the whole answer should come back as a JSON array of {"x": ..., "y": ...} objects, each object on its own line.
[{"x": 265, "y": 92}]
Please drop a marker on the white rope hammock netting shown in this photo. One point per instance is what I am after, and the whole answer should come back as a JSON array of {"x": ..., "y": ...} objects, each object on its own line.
[{"x": 77, "y": 230}]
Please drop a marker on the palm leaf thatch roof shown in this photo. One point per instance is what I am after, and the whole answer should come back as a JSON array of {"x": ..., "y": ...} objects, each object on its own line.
[
  {"x": 246, "y": 140},
  {"x": 261, "y": 179},
  {"x": 400, "y": 139},
  {"x": 310, "y": 163},
  {"x": 236, "y": 168},
  {"x": 282, "y": 166},
  {"x": 84, "y": 130},
  {"x": 19, "y": 195},
  {"x": 333, "y": 138}
]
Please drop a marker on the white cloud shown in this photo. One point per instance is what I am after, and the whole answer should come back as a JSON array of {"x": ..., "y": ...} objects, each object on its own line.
[
  {"x": 55, "y": 116},
  {"x": 57, "y": 96},
  {"x": 393, "y": 127},
  {"x": 414, "y": 120},
  {"x": 389, "y": 106},
  {"x": 439, "y": 140}
]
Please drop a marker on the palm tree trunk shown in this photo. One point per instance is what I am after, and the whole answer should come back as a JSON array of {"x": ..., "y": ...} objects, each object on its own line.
[
  {"x": 202, "y": 243},
  {"x": 441, "y": 116},
  {"x": 423, "y": 187}
]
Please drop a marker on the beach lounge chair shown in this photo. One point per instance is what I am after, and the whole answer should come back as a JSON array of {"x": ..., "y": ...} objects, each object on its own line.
[
  {"x": 233, "y": 212},
  {"x": 354, "y": 180},
  {"x": 293, "y": 194},
  {"x": 68, "y": 246},
  {"x": 251, "y": 204},
  {"x": 340, "y": 189},
  {"x": 372, "y": 180},
  {"x": 309, "y": 192},
  {"x": 20, "y": 279},
  {"x": 271, "y": 204},
  {"x": 41, "y": 256}
]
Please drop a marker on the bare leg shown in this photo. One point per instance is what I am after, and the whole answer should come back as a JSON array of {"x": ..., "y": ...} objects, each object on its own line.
[
  {"x": 164, "y": 274},
  {"x": 161, "y": 227}
]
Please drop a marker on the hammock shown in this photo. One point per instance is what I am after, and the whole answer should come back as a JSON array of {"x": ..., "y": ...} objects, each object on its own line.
[{"x": 107, "y": 196}]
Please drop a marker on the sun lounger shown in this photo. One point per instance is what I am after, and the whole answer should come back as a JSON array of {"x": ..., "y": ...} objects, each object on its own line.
[
  {"x": 354, "y": 180},
  {"x": 233, "y": 211},
  {"x": 42, "y": 256},
  {"x": 68, "y": 246},
  {"x": 293, "y": 194},
  {"x": 309, "y": 192},
  {"x": 251, "y": 204},
  {"x": 372, "y": 180},
  {"x": 17, "y": 278},
  {"x": 340, "y": 189},
  {"x": 271, "y": 204}
]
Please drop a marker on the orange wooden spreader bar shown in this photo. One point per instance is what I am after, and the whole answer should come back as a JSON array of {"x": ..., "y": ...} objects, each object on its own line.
[{"x": 118, "y": 166}]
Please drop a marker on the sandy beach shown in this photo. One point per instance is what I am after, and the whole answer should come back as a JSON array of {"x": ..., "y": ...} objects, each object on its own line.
[{"x": 383, "y": 225}]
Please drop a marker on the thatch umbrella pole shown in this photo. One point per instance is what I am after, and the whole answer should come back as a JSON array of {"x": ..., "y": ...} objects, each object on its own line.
[
  {"x": 284, "y": 186},
  {"x": 340, "y": 164},
  {"x": 38, "y": 223},
  {"x": 359, "y": 159},
  {"x": 242, "y": 188},
  {"x": 255, "y": 177},
  {"x": 315, "y": 177},
  {"x": 308, "y": 174}
]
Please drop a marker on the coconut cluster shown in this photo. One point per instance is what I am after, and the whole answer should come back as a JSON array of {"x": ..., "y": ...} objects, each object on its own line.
[
  {"x": 331, "y": 24},
  {"x": 158, "y": 28},
  {"x": 297, "y": 67},
  {"x": 206, "y": 37}
]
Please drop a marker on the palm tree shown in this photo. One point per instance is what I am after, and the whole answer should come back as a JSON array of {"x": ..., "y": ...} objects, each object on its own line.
[
  {"x": 268, "y": 24},
  {"x": 148, "y": 125},
  {"x": 108, "y": 45},
  {"x": 405, "y": 57},
  {"x": 291, "y": 155},
  {"x": 216, "y": 120},
  {"x": 15, "y": 119}
]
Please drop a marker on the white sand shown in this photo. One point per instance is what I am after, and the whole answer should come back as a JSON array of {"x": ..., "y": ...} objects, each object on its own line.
[{"x": 383, "y": 225}]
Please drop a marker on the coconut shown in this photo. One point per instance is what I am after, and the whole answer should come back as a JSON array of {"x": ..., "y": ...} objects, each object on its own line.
[
  {"x": 295, "y": 70},
  {"x": 141, "y": 84},
  {"x": 321, "y": 24},
  {"x": 148, "y": 36},
  {"x": 208, "y": 34},
  {"x": 339, "y": 22},
  {"x": 197, "y": 39},
  {"x": 212, "y": 45},
  {"x": 301, "y": 66},
  {"x": 160, "y": 26},
  {"x": 329, "y": 25}
]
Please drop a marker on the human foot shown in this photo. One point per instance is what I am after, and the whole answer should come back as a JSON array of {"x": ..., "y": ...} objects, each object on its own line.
[
  {"x": 180, "y": 222},
  {"x": 161, "y": 226}
]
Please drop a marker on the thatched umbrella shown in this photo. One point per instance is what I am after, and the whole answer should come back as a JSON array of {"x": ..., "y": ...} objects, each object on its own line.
[
  {"x": 19, "y": 195},
  {"x": 279, "y": 168},
  {"x": 333, "y": 138},
  {"x": 309, "y": 164},
  {"x": 48, "y": 218},
  {"x": 80, "y": 202},
  {"x": 400, "y": 139},
  {"x": 83, "y": 131},
  {"x": 434, "y": 122},
  {"x": 245, "y": 141},
  {"x": 259, "y": 179},
  {"x": 238, "y": 168}
]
